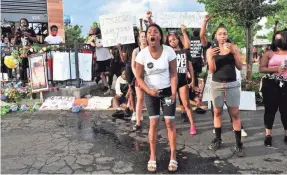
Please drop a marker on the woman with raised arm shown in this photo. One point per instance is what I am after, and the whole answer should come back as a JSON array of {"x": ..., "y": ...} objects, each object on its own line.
[
  {"x": 139, "y": 92},
  {"x": 184, "y": 66},
  {"x": 206, "y": 45},
  {"x": 224, "y": 86},
  {"x": 156, "y": 74},
  {"x": 274, "y": 84}
]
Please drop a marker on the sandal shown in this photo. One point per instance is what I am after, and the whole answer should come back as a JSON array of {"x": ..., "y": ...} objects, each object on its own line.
[
  {"x": 172, "y": 167},
  {"x": 151, "y": 166}
]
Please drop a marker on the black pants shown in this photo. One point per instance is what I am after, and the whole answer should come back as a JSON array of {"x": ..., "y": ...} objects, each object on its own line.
[
  {"x": 23, "y": 67},
  {"x": 115, "y": 69},
  {"x": 274, "y": 98}
]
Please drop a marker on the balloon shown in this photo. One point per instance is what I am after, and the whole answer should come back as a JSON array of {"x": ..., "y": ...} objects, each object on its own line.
[{"x": 10, "y": 62}]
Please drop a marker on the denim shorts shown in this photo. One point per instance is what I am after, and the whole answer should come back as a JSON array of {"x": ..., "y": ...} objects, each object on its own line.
[
  {"x": 225, "y": 92},
  {"x": 153, "y": 105}
]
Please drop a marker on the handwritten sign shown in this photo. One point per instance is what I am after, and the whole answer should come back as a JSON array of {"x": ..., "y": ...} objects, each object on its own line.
[
  {"x": 117, "y": 28},
  {"x": 175, "y": 19}
]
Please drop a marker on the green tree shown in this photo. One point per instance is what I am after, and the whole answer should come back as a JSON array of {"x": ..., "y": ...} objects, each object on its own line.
[
  {"x": 280, "y": 16},
  {"x": 72, "y": 35},
  {"x": 95, "y": 24},
  {"x": 244, "y": 13}
]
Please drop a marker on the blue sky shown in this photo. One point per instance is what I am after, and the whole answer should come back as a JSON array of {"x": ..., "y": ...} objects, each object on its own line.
[{"x": 85, "y": 13}]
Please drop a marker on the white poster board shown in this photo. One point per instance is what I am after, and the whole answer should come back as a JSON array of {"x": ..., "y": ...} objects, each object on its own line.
[
  {"x": 61, "y": 68},
  {"x": 117, "y": 28},
  {"x": 58, "y": 103},
  {"x": 175, "y": 19},
  {"x": 99, "y": 103},
  {"x": 85, "y": 66}
]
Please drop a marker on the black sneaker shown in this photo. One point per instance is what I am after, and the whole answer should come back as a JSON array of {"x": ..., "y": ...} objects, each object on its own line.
[
  {"x": 184, "y": 117},
  {"x": 268, "y": 141},
  {"x": 215, "y": 144},
  {"x": 285, "y": 140},
  {"x": 240, "y": 150},
  {"x": 136, "y": 127},
  {"x": 128, "y": 112},
  {"x": 118, "y": 114},
  {"x": 98, "y": 79},
  {"x": 200, "y": 111}
]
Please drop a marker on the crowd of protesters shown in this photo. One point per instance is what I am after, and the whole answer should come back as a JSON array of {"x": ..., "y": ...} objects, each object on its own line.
[{"x": 158, "y": 67}]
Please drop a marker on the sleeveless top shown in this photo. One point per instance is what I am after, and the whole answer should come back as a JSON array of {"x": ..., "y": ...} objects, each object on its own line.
[
  {"x": 225, "y": 68},
  {"x": 276, "y": 61}
]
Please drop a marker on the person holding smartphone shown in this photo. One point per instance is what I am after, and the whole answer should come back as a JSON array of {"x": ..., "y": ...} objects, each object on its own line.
[
  {"x": 206, "y": 45},
  {"x": 274, "y": 84},
  {"x": 156, "y": 74},
  {"x": 222, "y": 59}
]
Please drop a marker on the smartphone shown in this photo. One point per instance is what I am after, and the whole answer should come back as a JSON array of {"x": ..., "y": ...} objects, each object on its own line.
[{"x": 214, "y": 44}]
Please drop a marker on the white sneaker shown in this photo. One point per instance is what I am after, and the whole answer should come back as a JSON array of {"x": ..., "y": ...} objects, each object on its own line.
[
  {"x": 134, "y": 118},
  {"x": 243, "y": 133},
  {"x": 213, "y": 131},
  {"x": 108, "y": 92}
]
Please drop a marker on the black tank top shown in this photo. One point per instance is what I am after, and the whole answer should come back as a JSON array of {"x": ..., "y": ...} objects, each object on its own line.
[{"x": 225, "y": 68}]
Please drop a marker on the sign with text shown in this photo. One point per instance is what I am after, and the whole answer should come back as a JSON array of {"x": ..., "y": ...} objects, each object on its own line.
[
  {"x": 175, "y": 19},
  {"x": 117, "y": 28}
]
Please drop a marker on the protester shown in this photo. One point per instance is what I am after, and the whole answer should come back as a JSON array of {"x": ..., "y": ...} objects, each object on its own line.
[
  {"x": 274, "y": 84},
  {"x": 126, "y": 56},
  {"x": 206, "y": 45},
  {"x": 103, "y": 58},
  {"x": 184, "y": 65},
  {"x": 139, "y": 92},
  {"x": 121, "y": 92},
  {"x": 222, "y": 58},
  {"x": 54, "y": 38},
  {"x": 26, "y": 37},
  {"x": 157, "y": 76},
  {"x": 197, "y": 63},
  {"x": 116, "y": 66}
]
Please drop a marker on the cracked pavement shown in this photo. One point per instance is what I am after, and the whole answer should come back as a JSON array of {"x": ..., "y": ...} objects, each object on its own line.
[{"x": 93, "y": 143}]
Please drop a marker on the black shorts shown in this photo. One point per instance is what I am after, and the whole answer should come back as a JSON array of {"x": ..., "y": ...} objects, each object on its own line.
[
  {"x": 103, "y": 66},
  {"x": 153, "y": 105},
  {"x": 197, "y": 65},
  {"x": 130, "y": 75},
  {"x": 182, "y": 80}
]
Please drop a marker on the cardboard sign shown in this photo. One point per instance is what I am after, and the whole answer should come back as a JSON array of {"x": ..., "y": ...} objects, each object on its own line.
[
  {"x": 58, "y": 103},
  {"x": 117, "y": 28},
  {"x": 175, "y": 19}
]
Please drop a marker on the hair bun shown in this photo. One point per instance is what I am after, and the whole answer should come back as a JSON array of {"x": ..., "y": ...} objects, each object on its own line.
[{"x": 221, "y": 25}]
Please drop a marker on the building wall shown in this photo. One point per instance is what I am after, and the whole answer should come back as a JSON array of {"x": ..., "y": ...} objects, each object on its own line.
[{"x": 56, "y": 15}]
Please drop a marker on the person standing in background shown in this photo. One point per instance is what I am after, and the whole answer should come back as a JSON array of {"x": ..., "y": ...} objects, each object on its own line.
[
  {"x": 197, "y": 63},
  {"x": 103, "y": 58},
  {"x": 53, "y": 38}
]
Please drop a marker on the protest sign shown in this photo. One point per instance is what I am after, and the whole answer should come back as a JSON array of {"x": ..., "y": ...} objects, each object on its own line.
[
  {"x": 38, "y": 73},
  {"x": 175, "y": 19},
  {"x": 117, "y": 28}
]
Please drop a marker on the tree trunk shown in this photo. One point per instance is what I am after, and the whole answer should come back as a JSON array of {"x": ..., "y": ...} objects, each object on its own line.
[{"x": 249, "y": 53}]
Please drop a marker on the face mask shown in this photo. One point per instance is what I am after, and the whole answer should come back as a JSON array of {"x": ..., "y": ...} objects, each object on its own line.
[{"x": 54, "y": 33}]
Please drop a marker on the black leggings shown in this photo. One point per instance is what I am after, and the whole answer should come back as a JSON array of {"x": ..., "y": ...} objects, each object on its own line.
[
  {"x": 115, "y": 69},
  {"x": 274, "y": 97},
  {"x": 212, "y": 113}
]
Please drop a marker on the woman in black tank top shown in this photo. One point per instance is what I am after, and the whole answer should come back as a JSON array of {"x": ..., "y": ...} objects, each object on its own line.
[
  {"x": 184, "y": 65},
  {"x": 224, "y": 86}
]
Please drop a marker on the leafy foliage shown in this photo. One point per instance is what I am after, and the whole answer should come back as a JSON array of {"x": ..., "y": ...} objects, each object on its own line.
[
  {"x": 73, "y": 34},
  {"x": 280, "y": 16}
]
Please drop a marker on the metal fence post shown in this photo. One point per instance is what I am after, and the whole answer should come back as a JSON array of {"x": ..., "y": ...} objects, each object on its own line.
[{"x": 76, "y": 47}]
